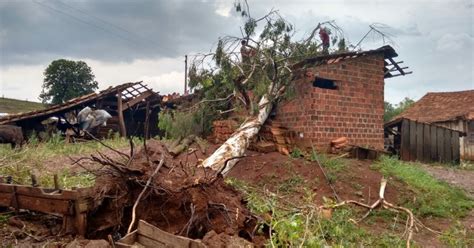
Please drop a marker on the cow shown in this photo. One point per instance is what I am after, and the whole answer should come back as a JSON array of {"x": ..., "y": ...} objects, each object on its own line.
[{"x": 11, "y": 134}]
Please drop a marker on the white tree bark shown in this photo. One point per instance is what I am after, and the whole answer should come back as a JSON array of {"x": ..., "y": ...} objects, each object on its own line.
[{"x": 238, "y": 143}]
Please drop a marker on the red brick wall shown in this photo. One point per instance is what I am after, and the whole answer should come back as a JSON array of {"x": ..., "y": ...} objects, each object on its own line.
[{"x": 354, "y": 110}]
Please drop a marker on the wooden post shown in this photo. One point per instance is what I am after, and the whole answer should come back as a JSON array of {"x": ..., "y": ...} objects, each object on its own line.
[
  {"x": 123, "y": 131},
  {"x": 185, "y": 74},
  {"x": 34, "y": 182},
  {"x": 147, "y": 121},
  {"x": 56, "y": 183}
]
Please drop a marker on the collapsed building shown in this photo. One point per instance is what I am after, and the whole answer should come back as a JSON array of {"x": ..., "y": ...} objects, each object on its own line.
[{"x": 127, "y": 104}]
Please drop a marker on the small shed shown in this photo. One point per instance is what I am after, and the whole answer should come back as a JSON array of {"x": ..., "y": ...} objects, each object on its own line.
[
  {"x": 339, "y": 95},
  {"x": 424, "y": 142},
  {"x": 452, "y": 110},
  {"x": 127, "y": 103}
]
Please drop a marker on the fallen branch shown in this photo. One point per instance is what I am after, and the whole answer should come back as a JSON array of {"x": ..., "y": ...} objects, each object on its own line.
[{"x": 381, "y": 202}]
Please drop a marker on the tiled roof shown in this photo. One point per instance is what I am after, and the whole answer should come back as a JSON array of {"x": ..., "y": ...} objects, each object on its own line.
[{"x": 442, "y": 106}]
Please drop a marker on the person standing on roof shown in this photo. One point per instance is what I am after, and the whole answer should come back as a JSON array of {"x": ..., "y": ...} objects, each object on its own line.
[{"x": 323, "y": 34}]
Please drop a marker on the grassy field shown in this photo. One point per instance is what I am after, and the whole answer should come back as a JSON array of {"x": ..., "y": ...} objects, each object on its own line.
[
  {"x": 12, "y": 106},
  {"x": 302, "y": 224},
  {"x": 33, "y": 159}
]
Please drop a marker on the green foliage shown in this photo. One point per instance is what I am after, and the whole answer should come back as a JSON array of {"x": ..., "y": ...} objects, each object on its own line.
[
  {"x": 290, "y": 184},
  {"x": 433, "y": 197},
  {"x": 391, "y": 111},
  {"x": 300, "y": 224},
  {"x": 34, "y": 158},
  {"x": 458, "y": 236},
  {"x": 332, "y": 164},
  {"x": 178, "y": 125},
  {"x": 4, "y": 217},
  {"x": 67, "y": 79},
  {"x": 296, "y": 153},
  {"x": 266, "y": 58}
]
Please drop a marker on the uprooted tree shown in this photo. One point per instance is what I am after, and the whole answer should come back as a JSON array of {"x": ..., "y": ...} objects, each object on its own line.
[
  {"x": 197, "y": 199},
  {"x": 255, "y": 76}
]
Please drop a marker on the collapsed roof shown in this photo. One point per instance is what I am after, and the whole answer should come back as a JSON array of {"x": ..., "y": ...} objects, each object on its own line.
[
  {"x": 131, "y": 93},
  {"x": 392, "y": 68}
]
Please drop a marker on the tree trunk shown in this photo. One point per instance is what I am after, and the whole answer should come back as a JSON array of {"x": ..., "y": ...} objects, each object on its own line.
[{"x": 237, "y": 144}]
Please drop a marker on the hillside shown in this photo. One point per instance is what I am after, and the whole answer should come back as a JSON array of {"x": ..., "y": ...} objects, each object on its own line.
[{"x": 8, "y": 105}]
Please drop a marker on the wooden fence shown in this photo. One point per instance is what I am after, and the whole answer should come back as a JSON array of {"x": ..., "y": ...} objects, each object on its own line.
[{"x": 428, "y": 143}]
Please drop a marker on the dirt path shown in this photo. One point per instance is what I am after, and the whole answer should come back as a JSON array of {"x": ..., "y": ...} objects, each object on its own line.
[{"x": 461, "y": 178}]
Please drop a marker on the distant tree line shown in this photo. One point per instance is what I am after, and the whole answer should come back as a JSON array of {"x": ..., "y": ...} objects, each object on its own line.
[{"x": 392, "y": 110}]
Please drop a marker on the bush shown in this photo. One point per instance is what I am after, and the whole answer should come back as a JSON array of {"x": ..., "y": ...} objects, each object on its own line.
[{"x": 178, "y": 125}]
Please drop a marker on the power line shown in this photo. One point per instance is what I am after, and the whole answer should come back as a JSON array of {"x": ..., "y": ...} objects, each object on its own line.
[
  {"x": 97, "y": 18},
  {"x": 85, "y": 22}
]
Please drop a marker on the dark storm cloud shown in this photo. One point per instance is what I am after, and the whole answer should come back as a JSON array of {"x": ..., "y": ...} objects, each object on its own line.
[{"x": 38, "y": 30}]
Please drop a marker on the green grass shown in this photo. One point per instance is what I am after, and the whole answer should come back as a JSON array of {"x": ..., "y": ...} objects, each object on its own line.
[
  {"x": 11, "y": 106},
  {"x": 21, "y": 163},
  {"x": 301, "y": 224},
  {"x": 430, "y": 197},
  {"x": 458, "y": 236}
]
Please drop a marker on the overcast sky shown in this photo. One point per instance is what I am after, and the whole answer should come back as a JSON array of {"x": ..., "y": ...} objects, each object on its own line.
[{"x": 131, "y": 40}]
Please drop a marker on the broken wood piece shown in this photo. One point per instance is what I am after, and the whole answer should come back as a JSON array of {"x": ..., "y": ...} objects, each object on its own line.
[
  {"x": 201, "y": 143},
  {"x": 56, "y": 183},
  {"x": 148, "y": 235},
  {"x": 34, "y": 182}
]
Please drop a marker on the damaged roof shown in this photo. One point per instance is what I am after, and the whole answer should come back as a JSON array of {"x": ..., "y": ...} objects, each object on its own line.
[
  {"x": 392, "y": 67},
  {"x": 130, "y": 91},
  {"x": 442, "y": 106}
]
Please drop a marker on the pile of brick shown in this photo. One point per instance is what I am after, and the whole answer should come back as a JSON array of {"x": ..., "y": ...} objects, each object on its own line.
[
  {"x": 274, "y": 137},
  {"x": 222, "y": 130}
]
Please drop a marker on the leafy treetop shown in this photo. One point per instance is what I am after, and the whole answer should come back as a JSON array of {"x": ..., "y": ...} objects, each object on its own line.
[{"x": 66, "y": 79}]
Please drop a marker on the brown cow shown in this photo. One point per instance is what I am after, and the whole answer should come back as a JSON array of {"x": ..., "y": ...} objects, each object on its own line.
[{"x": 11, "y": 134}]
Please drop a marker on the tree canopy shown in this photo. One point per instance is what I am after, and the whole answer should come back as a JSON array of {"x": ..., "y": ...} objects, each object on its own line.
[
  {"x": 392, "y": 110},
  {"x": 67, "y": 79},
  {"x": 259, "y": 63}
]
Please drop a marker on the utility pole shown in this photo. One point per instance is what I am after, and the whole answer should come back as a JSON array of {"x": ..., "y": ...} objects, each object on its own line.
[{"x": 185, "y": 74}]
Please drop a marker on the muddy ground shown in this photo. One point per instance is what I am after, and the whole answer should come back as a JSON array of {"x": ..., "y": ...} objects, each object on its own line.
[{"x": 193, "y": 202}]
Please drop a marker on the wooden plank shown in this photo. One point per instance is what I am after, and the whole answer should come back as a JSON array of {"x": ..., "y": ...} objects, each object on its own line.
[
  {"x": 123, "y": 131},
  {"x": 405, "y": 141},
  {"x": 146, "y": 230},
  {"x": 448, "y": 148},
  {"x": 42, "y": 192},
  {"x": 433, "y": 144},
  {"x": 440, "y": 144},
  {"x": 50, "y": 206},
  {"x": 412, "y": 141},
  {"x": 426, "y": 143},
  {"x": 456, "y": 149},
  {"x": 128, "y": 240},
  {"x": 137, "y": 99},
  {"x": 419, "y": 141}
]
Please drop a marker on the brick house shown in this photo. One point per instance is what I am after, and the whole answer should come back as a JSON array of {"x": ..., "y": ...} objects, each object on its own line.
[{"x": 339, "y": 95}]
